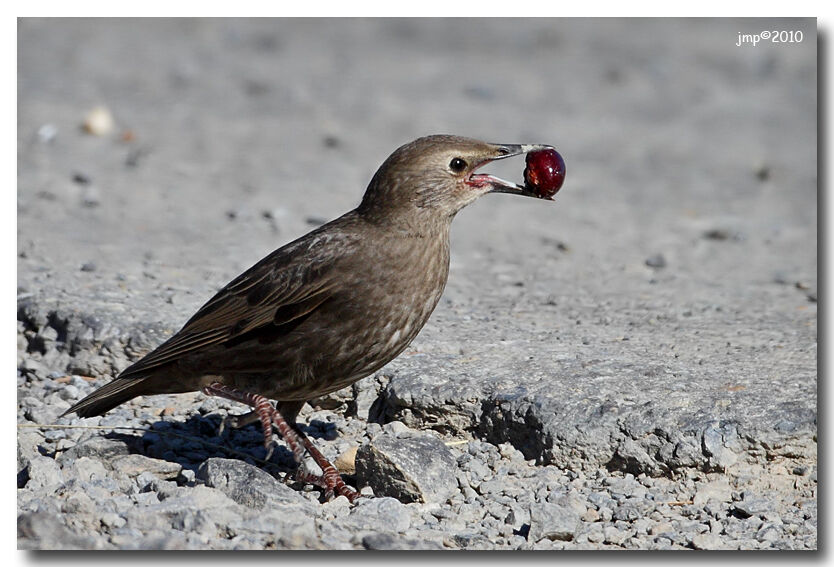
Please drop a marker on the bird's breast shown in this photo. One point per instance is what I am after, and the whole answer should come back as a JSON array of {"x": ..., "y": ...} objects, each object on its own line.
[{"x": 400, "y": 285}]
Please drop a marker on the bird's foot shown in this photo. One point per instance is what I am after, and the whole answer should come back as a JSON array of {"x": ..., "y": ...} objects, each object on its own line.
[
  {"x": 263, "y": 412},
  {"x": 331, "y": 481},
  {"x": 237, "y": 421}
]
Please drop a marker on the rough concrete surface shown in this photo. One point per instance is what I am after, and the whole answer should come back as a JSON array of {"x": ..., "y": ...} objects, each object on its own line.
[{"x": 631, "y": 366}]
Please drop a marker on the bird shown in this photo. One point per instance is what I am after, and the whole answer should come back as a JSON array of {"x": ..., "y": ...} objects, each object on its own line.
[{"x": 328, "y": 308}]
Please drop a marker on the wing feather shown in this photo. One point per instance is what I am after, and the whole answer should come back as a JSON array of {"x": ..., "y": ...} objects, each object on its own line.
[{"x": 277, "y": 290}]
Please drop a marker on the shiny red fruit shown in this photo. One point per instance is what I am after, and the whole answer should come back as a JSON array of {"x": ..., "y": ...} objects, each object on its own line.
[{"x": 545, "y": 172}]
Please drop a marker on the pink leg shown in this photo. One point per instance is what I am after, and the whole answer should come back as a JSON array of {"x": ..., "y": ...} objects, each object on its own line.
[{"x": 297, "y": 441}]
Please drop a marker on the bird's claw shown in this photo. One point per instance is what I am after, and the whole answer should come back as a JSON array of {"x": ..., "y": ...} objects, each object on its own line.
[
  {"x": 270, "y": 448},
  {"x": 237, "y": 421},
  {"x": 332, "y": 485}
]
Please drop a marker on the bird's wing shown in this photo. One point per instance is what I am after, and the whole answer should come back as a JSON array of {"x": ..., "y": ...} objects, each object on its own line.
[{"x": 280, "y": 288}]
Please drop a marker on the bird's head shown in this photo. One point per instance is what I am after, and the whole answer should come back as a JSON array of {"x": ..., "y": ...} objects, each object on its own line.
[{"x": 436, "y": 176}]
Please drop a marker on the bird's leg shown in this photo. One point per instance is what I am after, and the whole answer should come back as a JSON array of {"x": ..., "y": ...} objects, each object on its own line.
[
  {"x": 262, "y": 410},
  {"x": 297, "y": 441}
]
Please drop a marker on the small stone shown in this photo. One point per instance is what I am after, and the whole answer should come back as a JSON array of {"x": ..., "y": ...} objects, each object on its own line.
[
  {"x": 391, "y": 542},
  {"x": 656, "y": 261},
  {"x": 91, "y": 197},
  {"x": 615, "y": 536},
  {"x": 44, "y": 474},
  {"x": 378, "y": 514},
  {"x": 32, "y": 366},
  {"x": 69, "y": 392},
  {"x": 552, "y": 521},
  {"x": 418, "y": 468},
  {"x": 720, "y": 444},
  {"x": 335, "y": 508},
  {"x": 596, "y": 533},
  {"x": 717, "y": 234},
  {"x": 510, "y": 453},
  {"x": 518, "y": 516},
  {"x": 752, "y": 506},
  {"x": 80, "y": 178},
  {"x": 331, "y": 142},
  {"x": 99, "y": 121},
  {"x": 86, "y": 469},
  {"x": 709, "y": 541},
  {"x": 112, "y": 520},
  {"x": 187, "y": 476},
  {"x": 763, "y": 173},
  {"x": 768, "y": 533},
  {"x": 395, "y": 428},
  {"x": 715, "y": 490},
  {"x": 47, "y": 133},
  {"x": 315, "y": 221},
  {"x": 134, "y": 465},
  {"x": 627, "y": 512},
  {"x": 78, "y": 503},
  {"x": 88, "y": 267},
  {"x": 346, "y": 462},
  {"x": 471, "y": 540},
  {"x": 590, "y": 515}
]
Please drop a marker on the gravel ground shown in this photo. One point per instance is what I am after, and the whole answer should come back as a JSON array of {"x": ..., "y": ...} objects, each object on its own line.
[{"x": 633, "y": 366}]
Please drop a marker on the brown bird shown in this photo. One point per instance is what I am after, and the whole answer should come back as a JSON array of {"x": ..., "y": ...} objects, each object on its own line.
[{"x": 329, "y": 308}]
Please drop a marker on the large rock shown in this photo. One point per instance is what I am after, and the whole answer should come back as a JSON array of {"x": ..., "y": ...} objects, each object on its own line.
[
  {"x": 98, "y": 447},
  {"x": 606, "y": 412},
  {"x": 411, "y": 467},
  {"x": 44, "y": 531},
  {"x": 248, "y": 485}
]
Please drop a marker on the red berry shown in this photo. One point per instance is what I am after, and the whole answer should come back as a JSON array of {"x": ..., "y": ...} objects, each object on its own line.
[{"x": 545, "y": 172}]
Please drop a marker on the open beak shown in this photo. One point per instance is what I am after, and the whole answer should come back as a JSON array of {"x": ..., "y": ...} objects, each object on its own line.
[{"x": 498, "y": 185}]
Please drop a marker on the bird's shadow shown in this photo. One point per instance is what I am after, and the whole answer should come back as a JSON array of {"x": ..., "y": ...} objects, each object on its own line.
[{"x": 192, "y": 442}]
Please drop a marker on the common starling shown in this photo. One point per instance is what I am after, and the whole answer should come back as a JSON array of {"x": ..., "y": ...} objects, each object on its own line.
[{"x": 329, "y": 308}]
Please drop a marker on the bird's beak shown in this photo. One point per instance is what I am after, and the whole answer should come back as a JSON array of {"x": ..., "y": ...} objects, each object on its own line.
[{"x": 498, "y": 185}]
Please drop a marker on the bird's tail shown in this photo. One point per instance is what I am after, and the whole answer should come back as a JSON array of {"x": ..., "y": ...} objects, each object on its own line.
[{"x": 109, "y": 396}]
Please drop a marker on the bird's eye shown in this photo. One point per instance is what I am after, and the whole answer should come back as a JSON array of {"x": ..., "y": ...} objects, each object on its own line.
[{"x": 457, "y": 165}]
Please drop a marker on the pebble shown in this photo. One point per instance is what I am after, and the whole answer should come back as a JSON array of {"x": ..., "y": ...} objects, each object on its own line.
[
  {"x": 346, "y": 461},
  {"x": 656, "y": 261},
  {"x": 709, "y": 541},
  {"x": 387, "y": 514},
  {"x": 552, "y": 521},
  {"x": 718, "y": 490},
  {"x": 99, "y": 121},
  {"x": 47, "y": 133},
  {"x": 615, "y": 535},
  {"x": 44, "y": 475},
  {"x": 752, "y": 505},
  {"x": 134, "y": 465}
]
